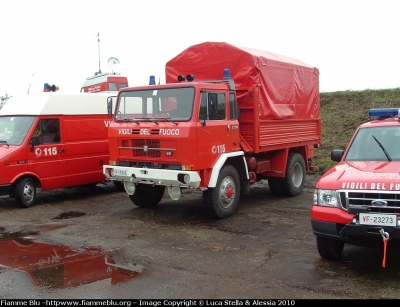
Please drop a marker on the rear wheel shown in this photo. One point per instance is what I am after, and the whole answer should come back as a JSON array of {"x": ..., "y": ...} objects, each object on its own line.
[
  {"x": 329, "y": 248},
  {"x": 25, "y": 192},
  {"x": 224, "y": 198},
  {"x": 276, "y": 186},
  {"x": 147, "y": 195},
  {"x": 294, "y": 180}
]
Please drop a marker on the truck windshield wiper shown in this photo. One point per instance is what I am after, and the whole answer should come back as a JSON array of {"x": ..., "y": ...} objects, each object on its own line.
[
  {"x": 383, "y": 149},
  {"x": 164, "y": 119},
  {"x": 128, "y": 120}
]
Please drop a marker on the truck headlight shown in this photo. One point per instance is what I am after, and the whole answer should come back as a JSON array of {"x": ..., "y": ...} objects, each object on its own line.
[
  {"x": 184, "y": 178},
  {"x": 326, "y": 198}
]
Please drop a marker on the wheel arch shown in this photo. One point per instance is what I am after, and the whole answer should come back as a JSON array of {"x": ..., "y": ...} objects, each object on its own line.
[
  {"x": 236, "y": 159},
  {"x": 35, "y": 178}
]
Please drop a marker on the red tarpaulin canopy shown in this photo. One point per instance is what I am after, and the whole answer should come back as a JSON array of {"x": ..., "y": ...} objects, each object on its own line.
[{"x": 289, "y": 88}]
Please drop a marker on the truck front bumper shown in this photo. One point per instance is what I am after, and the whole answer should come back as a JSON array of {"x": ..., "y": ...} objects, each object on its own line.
[{"x": 165, "y": 177}]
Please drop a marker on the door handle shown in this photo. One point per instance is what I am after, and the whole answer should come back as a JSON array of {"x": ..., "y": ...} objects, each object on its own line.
[
  {"x": 61, "y": 150},
  {"x": 229, "y": 129}
]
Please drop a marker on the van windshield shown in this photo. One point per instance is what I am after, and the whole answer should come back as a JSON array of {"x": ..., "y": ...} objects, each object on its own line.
[
  {"x": 13, "y": 129},
  {"x": 169, "y": 104}
]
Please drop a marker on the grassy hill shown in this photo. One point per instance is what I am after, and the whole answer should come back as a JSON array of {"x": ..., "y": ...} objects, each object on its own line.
[{"x": 342, "y": 112}]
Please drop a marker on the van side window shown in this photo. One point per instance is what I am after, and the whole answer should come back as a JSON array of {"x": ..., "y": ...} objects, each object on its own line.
[
  {"x": 48, "y": 131},
  {"x": 122, "y": 85}
]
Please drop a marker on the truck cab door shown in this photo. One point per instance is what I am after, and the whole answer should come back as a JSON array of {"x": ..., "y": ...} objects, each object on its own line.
[
  {"x": 213, "y": 128},
  {"x": 47, "y": 159}
]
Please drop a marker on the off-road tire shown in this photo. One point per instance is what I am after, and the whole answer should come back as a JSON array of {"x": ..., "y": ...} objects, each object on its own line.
[
  {"x": 329, "y": 248},
  {"x": 25, "y": 192},
  {"x": 147, "y": 195},
  {"x": 295, "y": 176},
  {"x": 224, "y": 198},
  {"x": 276, "y": 186}
]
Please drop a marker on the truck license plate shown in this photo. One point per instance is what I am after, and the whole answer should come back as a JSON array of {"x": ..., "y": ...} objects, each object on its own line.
[
  {"x": 378, "y": 219},
  {"x": 120, "y": 172}
]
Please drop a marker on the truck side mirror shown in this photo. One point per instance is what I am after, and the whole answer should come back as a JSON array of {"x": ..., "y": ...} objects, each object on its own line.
[
  {"x": 34, "y": 141},
  {"x": 212, "y": 103},
  {"x": 109, "y": 106}
]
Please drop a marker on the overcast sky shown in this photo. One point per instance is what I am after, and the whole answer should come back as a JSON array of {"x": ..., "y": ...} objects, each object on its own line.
[{"x": 355, "y": 44}]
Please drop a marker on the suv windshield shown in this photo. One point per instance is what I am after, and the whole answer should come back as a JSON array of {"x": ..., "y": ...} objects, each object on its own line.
[
  {"x": 13, "y": 129},
  {"x": 375, "y": 144},
  {"x": 171, "y": 104}
]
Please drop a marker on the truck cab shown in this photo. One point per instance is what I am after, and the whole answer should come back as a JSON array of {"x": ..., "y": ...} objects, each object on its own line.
[
  {"x": 173, "y": 136},
  {"x": 357, "y": 201}
]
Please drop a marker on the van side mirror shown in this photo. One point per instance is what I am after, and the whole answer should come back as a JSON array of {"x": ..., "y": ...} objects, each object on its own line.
[
  {"x": 34, "y": 142},
  {"x": 110, "y": 106},
  {"x": 212, "y": 103}
]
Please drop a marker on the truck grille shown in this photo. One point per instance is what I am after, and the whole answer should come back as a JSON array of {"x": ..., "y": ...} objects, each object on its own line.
[
  {"x": 151, "y": 148},
  {"x": 362, "y": 200}
]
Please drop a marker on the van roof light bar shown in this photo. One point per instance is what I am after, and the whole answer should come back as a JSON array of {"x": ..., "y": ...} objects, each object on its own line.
[{"x": 385, "y": 113}]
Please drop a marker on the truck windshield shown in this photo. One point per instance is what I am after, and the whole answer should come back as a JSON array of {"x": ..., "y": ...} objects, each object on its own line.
[
  {"x": 156, "y": 105},
  {"x": 13, "y": 129},
  {"x": 375, "y": 144}
]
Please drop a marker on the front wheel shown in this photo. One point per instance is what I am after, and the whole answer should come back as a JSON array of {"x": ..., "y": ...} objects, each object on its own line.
[
  {"x": 25, "y": 192},
  {"x": 295, "y": 178},
  {"x": 329, "y": 248},
  {"x": 147, "y": 195},
  {"x": 224, "y": 198}
]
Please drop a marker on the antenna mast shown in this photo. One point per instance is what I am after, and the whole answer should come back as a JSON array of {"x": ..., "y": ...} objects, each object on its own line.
[
  {"x": 30, "y": 84},
  {"x": 98, "y": 41}
]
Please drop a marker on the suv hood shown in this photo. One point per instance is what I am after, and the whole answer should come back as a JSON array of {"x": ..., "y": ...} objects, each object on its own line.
[{"x": 362, "y": 175}]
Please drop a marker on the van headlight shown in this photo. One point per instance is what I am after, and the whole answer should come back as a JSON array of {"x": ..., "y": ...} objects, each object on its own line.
[{"x": 329, "y": 198}]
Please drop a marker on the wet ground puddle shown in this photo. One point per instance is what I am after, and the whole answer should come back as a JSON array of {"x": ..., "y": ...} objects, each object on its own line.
[{"x": 57, "y": 266}]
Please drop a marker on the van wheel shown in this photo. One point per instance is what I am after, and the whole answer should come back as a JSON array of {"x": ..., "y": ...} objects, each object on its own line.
[
  {"x": 294, "y": 180},
  {"x": 329, "y": 248},
  {"x": 147, "y": 195},
  {"x": 119, "y": 185},
  {"x": 25, "y": 192},
  {"x": 276, "y": 186},
  {"x": 224, "y": 198}
]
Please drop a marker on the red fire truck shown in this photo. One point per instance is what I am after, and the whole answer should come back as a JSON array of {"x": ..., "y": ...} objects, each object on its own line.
[
  {"x": 250, "y": 115},
  {"x": 357, "y": 201},
  {"x": 104, "y": 82}
]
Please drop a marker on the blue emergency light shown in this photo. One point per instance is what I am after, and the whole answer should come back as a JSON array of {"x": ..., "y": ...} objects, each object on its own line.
[
  {"x": 384, "y": 113},
  {"x": 227, "y": 74},
  {"x": 50, "y": 88},
  {"x": 152, "y": 80}
]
